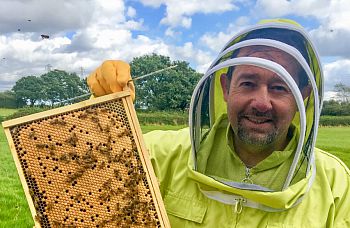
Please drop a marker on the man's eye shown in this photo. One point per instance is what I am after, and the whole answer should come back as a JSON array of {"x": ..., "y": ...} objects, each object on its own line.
[
  {"x": 279, "y": 88},
  {"x": 247, "y": 84}
]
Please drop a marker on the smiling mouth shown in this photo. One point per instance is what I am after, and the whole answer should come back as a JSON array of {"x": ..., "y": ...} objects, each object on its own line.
[{"x": 258, "y": 119}]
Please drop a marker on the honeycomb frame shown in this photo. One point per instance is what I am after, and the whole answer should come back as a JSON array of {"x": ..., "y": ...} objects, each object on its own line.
[{"x": 86, "y": 165}]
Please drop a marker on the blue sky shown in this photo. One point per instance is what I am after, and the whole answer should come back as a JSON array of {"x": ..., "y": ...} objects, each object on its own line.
[{"x": 84, "y": 33}]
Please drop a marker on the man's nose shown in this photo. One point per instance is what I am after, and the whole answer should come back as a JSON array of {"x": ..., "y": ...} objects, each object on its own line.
[{"x": 262, "y": 100}]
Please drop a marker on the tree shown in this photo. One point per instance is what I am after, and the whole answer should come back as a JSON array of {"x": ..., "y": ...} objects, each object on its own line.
[
  {"x": 343, "y": 92},
  {"x": 28, "y": 90},
  {"x": 8, "y": 100},
  {"x": 168, "y": 90},
  {"x": 59, "y": 86}
]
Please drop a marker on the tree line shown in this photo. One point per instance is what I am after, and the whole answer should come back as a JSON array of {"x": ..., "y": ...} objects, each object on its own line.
[{"x": 167, "y": 90}]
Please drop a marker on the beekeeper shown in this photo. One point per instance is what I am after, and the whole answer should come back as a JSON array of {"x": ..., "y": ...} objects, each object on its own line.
[{"x": 248, "y": 158}]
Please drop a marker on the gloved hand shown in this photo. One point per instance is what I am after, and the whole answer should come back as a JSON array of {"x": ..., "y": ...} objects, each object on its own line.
[{"x": 112, "y": 76}]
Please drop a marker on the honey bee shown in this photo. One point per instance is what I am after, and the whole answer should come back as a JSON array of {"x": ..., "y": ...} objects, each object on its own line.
[
  {"x": 117, "y": 174},
  {"x": 78, "y": 197},
  {"x": 31, "y": 135},
  {"x": 107, "y": 128},
  {"x": 58, "y": 122},
  {"x": 74, "y": 176},
  {"x": 103, "y": 223},
  {"x": 105, "y": 196},
  {"x": 49, "y": 207},
  {"x": 57, "y": 224},
  {"x": 104, "y": 110},
  {"x": 100, "y": 126},
  {"x": 102, "y": 165},
  {"x": 91, "y": 111},
  {"x": 113, "y": 123},
  {"x": 105, "y": 150},
  {"x": 40, "y": 146},
  {"x": 95, "y": 119},
  {"x": 38, "y": 218},
  {"x": 83, "y": 116},
  {"x": 72, "y": 140},
  {"x": 14, "y": 130}
]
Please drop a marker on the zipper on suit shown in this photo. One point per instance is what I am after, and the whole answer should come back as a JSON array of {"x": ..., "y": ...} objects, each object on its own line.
[
  {"x": 247, "y": 179},
  {"x": 237, "y": 210}
]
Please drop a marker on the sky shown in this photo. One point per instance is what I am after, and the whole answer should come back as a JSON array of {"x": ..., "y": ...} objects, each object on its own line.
[{"x": 84, "y": 33}]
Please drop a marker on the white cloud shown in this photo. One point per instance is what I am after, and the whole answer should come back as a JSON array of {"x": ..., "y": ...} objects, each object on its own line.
[
  {"x": 43, "y": 17},
  {"x": 131, "y": 12},
  {"x": 179, "y": 12},
  {"x": 216, "y": 41},
  {"x": 336, "y": 72},
  {"x": 153, "y": 3},
  {"x": 200, "y": 59},
  {"x": 333, "y": 15},
  {"x": 99, "y": 34}
]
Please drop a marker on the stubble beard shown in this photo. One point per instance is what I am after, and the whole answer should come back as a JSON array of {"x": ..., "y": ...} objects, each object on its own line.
[{"x": 250, "y": 136}]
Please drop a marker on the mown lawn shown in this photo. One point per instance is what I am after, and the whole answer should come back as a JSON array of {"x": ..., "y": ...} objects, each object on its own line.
[
  {"x": 7, "y": 111},
  {"x": 335, "y": 140},
  {"x": 14, "y": 211}
]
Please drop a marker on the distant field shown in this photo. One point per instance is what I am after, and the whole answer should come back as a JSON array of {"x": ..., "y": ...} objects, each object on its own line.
[
  {"x": 14, "y": 210},
  {"x": 7, "y": 111},
  {"x": 335, "y": 140}
]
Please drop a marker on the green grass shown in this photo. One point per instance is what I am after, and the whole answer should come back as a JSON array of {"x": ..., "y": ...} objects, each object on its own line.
[
  {"x": 14, "y": 210},
  {"x": 7, "y": 111},
  {"x": 149, "y": 128},
  {"x": 335, "y": 140}
]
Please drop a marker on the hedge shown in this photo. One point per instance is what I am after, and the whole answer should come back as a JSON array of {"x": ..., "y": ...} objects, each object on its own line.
[
  {"x": 26, "y": 111},
  {"x": 174, "y": 118},
  {"x": 335, "y": 121},
  {"x": 162, "y": 118}
]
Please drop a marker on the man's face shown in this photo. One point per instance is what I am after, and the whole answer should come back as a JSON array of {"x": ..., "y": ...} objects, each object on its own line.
[{"x": 260, "y": 105}]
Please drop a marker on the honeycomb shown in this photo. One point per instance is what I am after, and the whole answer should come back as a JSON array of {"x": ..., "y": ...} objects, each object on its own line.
[{"x": 83, "y": 168}]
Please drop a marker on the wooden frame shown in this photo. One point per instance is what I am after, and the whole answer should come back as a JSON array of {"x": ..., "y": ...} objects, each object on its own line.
[{"x": 112, "y": 137}]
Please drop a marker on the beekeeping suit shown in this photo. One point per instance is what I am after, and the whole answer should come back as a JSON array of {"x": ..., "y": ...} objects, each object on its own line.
[{"x": 205, "y": 184}]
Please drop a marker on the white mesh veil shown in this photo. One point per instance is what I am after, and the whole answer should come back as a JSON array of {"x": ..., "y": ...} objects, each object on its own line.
[{"x": 206, "y": 104}]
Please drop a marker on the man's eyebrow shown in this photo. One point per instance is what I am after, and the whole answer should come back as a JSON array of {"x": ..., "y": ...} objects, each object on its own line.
[
  {"x": 246, "y": 75},
  {"x": 277, "y": 79}
]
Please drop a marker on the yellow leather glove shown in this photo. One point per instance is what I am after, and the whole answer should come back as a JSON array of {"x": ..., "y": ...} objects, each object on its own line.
[{"x": 112, "y": 76}]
